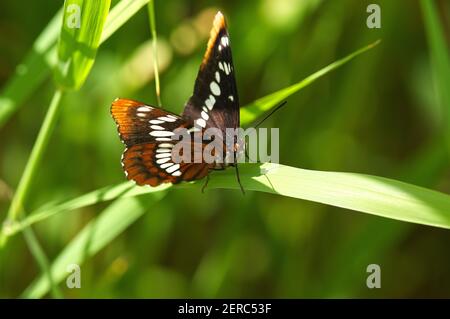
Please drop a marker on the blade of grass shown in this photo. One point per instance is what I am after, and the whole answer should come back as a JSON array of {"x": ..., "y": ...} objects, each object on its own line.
[
  {"x": 47, "y": 127},
  {"x": 95, "y": 236},
  {"x": 42, "y": 58},
  {"x": 364, "y": 193},
  {"x": 42, "y": 260},
  {"x": 32, "y": 71},
  {"x": 81, "y": 30},
  {"x": 123, "y": 190},
  {"x": 440, "y": 60},
  {"x": 252, "y": 111},
  {"x": 151, "y": 16}
]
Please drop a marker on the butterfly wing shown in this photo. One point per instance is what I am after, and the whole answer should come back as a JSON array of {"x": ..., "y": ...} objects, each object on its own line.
[
  {"x": 146, "y": 131},
  {"x": 215, "y": 102}
]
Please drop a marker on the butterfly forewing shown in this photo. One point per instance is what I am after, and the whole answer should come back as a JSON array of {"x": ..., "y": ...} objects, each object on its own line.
[{"x": 215, "y": 102}]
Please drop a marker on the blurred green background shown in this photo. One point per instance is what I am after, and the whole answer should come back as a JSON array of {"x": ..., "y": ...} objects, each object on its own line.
[{"x": 377, "y": 115}]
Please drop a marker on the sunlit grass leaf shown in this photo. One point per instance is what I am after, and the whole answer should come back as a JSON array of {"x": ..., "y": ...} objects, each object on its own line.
[
  {"x": 42, "y": 58},
  {"x": 370, "y": 194},
  {"x": 255, "y": 109},
  {"x": 95, "y": 236},
  {"x": 364, "y": 193},
  {"x": 79, "y": 40}
]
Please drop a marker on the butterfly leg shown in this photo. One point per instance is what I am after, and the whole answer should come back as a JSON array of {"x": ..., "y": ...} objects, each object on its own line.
[
  {"x": 206, "y": 183},
  {"x": 239, "y": 179}
]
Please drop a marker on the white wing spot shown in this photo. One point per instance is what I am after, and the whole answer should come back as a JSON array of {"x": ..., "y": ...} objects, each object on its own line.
[
  {"x": 157, "y": 127},
  {"x": 141, "y": 114},
  {"x": 165, "y": 139},
  {"x": 162, "y": 155},
  {"x": 162, "y": 160},
  {"x": 204, "y": 108},
  {"x": 165, "y": 165},
  {"x": 173, "y": 168},
  {"x": 210, "y": 102},
  {"x": 144, "y": 109},
  {"x": 161, "y": 133},
  {"x": 224, "y": 41},
  {"x": 156, "y": 122},
  {"x": 201, "y": 122},
  {"x": 204, "y": 115},
  {"x": 231, "y": 98},
  {"x": 177, "y": 173},
  {"x": 193, "y": 129},
  {"x": 217, "y": 77},
  {"x": 163, "y": 150},
  {"x": 215, "y": 89},
  {"x": 167, "y": 118},
  {"x": 166, "y": 145},
  {"x": 221, "y": 66},
  {"x": 227, "y": 68}
]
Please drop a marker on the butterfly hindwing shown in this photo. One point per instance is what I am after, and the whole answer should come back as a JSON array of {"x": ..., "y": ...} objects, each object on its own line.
[
  {"x": 215, "y": 102},
  {"x": 147, "y": 131}
]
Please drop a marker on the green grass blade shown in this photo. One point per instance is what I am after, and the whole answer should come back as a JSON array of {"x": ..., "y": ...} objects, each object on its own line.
[
  {"x": 152, "y": 21},
  {"x": 119, "y": 15},
  {"x": 17, "y": 203},
  {"x": 32, "y": 71},
  {"x": 252, "y": 111},
  {"x": 95, "y": 236},
  {"x": 364, "y": 193},
  {"x": 123, "y": 190},
  {"x": 440, "y": 58},
  {"x": 370, "y": 194},
  {"x": 81, "y": 30},
  {"x": 40, "y": 257},
  {"x": 42, "y": 58}
]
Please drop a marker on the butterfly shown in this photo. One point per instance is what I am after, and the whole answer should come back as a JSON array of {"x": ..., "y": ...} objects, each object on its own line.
[{"x": 147, "y": 130}]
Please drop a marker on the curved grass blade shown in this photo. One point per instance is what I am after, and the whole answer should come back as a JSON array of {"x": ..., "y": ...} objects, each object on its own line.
[
  {"x": 364, "y": 193},
  {"x": 95, "y": 235},
  {"x": 42, "y": 58},
  {"x": 32, "y": 71},
  {"x": 370, "y": 194},
  {"x": 440, "y": 60},
  {"x": 253, "y": 110},
  {"x": 79, "y": 40},
  {"x": 123, "y": 190}
]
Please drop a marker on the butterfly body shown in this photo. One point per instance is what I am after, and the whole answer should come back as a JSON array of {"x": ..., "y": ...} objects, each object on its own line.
[{"x": 148, "y": 131}]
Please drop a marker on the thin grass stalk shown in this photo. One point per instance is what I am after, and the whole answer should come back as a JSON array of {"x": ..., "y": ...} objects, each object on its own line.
[
  {"x": 17, "y": 204},
  {"x": 151, "y": 16},
  {"x": 42, "y": 260}
]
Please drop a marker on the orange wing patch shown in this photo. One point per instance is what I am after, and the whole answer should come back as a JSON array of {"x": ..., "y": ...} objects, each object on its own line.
[{"x": 218, "y": 25}]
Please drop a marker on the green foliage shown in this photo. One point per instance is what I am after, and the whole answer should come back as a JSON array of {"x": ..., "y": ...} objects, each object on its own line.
[
  {"x": 79, "y": 40},
  {"x": 342, "y": 131}
]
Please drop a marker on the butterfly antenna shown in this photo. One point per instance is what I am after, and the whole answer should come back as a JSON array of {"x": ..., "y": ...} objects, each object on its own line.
[
  {"x": 206, "y": 183},
  {"x": 270, "y": 114}
]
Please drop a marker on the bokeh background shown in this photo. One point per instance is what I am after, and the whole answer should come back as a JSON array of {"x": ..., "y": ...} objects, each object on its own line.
[{"x": 377, "y": 115}]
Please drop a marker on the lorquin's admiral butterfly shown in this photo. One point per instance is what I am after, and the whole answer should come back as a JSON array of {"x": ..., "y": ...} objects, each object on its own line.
[{"x": 146, "y": 130}]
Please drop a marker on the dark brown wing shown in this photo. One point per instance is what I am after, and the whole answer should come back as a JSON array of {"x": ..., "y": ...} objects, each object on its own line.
[{"x": 215, "y": 101}]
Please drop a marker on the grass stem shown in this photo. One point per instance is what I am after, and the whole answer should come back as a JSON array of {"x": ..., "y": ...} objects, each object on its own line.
[
  {"x": 17, "y": 204},
  {"x": 151, "y": 16}
]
